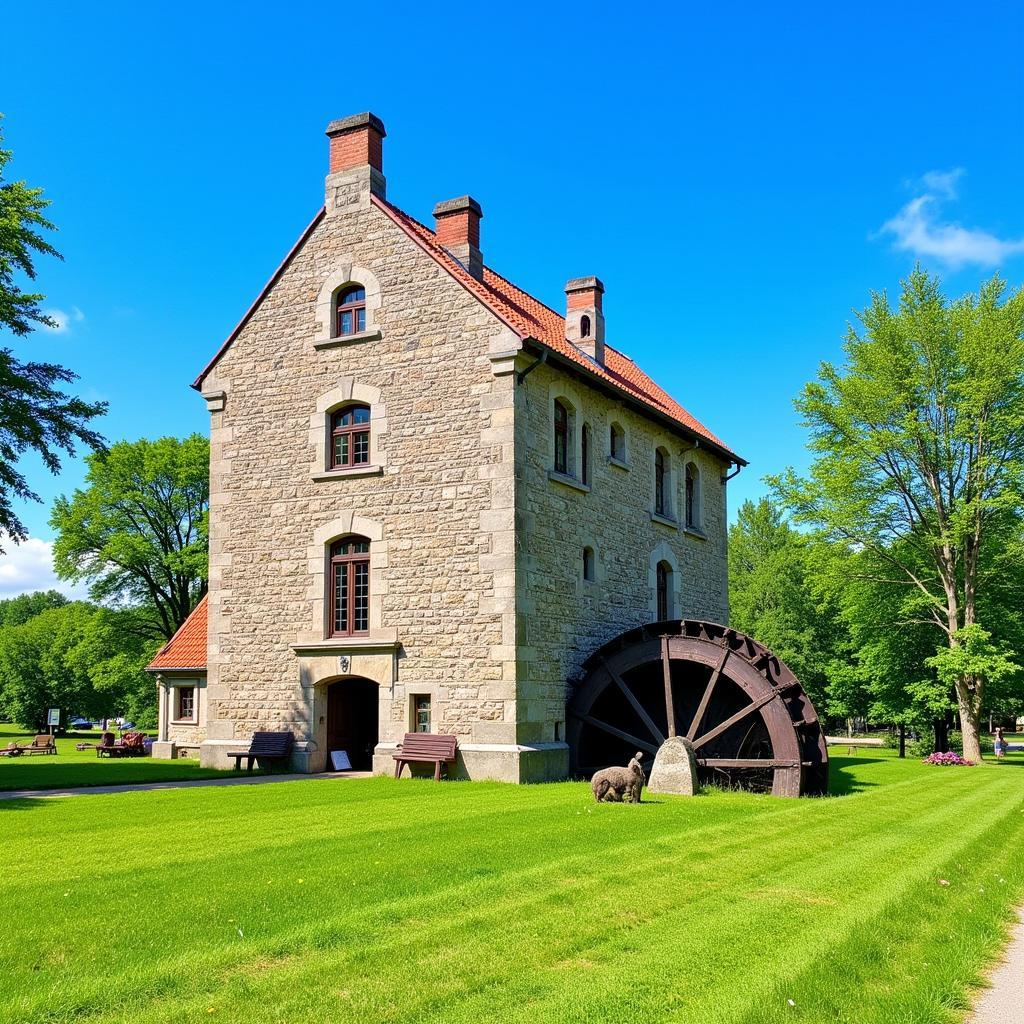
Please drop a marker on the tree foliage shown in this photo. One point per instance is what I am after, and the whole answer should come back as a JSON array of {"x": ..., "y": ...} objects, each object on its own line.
[
  {"x": 35, "y": 413},
  {"x": 918, "y": 445},
  {"x": 772, "y": 597},
  {"x": 74, "y": 656},
  {"x": 16, "y": 610},
  {"x": 137, "y": 531}
]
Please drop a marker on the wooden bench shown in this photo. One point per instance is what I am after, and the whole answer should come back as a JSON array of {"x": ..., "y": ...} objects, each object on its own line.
[
  {"x": 133, "y": 744},
  {"x": 41, "y": 744},
  {"x": 265, "y": 746},
  {"x": 424, "y": 748}
]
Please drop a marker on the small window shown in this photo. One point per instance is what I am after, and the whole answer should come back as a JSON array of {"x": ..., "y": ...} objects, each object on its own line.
[
  {"x": 186, "y": 704},
  {"x": 421, "y": 712},
  {"x": 692, "y": 497},
  {"x": 617, "y": 442},
  {"x": 349, "y": 582},
  {"x": 584, "y": 326},
  {"x": 585, "y": 455},
  {"x": 588, "y": 565},
  {"x": 350, "y": 437},
  {"x": 662, "y": 505},
  {"x": 561, "y": 438},
  {"x": 664, "y": 587},
  {"x": 351, "y": 311}
]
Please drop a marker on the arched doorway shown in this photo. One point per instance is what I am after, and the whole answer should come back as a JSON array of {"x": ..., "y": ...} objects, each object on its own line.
[{"x": 352, "y": 720}]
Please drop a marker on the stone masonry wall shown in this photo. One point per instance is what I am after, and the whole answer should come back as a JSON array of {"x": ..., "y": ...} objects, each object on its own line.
[
  {"x": 442, "y": 581},
  {"x": 563, "y": 619}
]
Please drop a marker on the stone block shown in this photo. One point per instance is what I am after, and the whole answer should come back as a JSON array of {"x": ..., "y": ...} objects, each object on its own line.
[{"x": 675, "y": 768}]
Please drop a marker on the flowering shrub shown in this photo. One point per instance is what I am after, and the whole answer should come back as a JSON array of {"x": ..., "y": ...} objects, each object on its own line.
[{"x": 948, "y": 757}]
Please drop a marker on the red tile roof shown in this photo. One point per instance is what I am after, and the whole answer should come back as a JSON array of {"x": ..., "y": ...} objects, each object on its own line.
[
  {"x": 527, "y": 317},
  {"x": 187, "y": 648}
]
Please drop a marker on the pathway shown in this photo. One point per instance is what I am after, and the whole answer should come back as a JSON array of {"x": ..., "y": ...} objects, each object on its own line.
[
  {"x": 145, "y": 787},
  {"x": 1004, "y": 1001}
]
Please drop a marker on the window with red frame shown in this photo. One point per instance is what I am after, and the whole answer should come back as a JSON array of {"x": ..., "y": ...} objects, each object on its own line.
[
  {"x": 661, "y": 505},
  {"x": 664, "y": 573},
  {"x": 351, "y": 311},
  {"x": 349, "y": 582},
  {"x": 561, "y": 438},
  {"x": 350, "y": 437}
]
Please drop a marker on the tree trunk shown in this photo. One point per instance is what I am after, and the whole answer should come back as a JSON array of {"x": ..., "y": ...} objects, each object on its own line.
[
  {"x": 903, "y": 740},
  {"x": 968, "y": 700},
  {"x": 941, "y": 729}
]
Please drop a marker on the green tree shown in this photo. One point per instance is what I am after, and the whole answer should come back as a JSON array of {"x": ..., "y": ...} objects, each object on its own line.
[
  {"x": 16, "y": 610},
  {"x": 772, "y": 597},
  {"x": 137, "y": 531},
  {"x": 35, "y": 414},
  {"x": 918, "y": 445},
  {"x": 36, "y": 672}
]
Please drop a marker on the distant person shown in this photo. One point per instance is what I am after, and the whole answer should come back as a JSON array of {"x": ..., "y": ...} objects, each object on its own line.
[{"x": 1000, "y": 744}]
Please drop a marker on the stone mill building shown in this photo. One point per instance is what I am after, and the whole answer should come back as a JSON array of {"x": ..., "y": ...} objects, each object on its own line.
[{"x": 432, "y": 497}]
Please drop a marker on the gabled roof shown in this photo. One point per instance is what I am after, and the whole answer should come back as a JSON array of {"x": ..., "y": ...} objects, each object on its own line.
[
  {"x": 527, "y": 317},
  {"x": 186, "y": 650}
]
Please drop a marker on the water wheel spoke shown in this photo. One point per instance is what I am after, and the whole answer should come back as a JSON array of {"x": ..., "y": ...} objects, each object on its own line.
[
  {"x": 746, "y": 762},
  {"x": 636, "y": 705},
  {"x": 733, "y": 719},
  {"x": 706, "y": 698},
  {"x": 651, "y": 748},
  {"x": 666, "y": 675}
]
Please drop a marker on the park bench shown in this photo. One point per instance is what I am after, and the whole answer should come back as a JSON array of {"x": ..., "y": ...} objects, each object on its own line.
[
  {"x": 41, "y": 744},
  {"x": 264, "y": 746},
  {"x": 424, "y": 748},
  {"x": 132, "y": 745}
]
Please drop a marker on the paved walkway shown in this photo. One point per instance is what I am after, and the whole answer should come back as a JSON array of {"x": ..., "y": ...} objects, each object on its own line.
[
  {"x": 1004, "y": 1001},
  {"x": 145, "y": 787}
]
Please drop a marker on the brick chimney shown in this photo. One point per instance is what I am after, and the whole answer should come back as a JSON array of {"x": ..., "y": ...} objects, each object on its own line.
[
  {"x": 584, "y": 321},
  {"x": 457, "y": 224},
  {"x": 356, "y": 165}
]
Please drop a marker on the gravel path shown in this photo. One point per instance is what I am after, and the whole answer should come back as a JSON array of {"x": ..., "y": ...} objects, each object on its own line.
[{"x": 1004, "y": 1001}]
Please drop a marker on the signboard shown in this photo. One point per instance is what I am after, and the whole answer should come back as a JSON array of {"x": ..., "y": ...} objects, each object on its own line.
[
  {"x": 340, "y": 761},
  {"x": 53, "y": 717}
]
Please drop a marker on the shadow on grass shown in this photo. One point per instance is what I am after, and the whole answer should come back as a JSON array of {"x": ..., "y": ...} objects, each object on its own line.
[
  {"x": 843, "y": 782},
  {"x": 20, "y": 803}
]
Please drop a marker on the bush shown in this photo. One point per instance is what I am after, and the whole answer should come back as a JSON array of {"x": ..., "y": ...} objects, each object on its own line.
[{"x": 949, "y": 759}]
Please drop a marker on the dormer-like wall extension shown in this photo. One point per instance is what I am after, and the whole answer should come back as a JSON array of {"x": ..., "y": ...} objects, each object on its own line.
[
  {"x": 356, "y": 161},
  {"x": 584, "y": 320},
  {"x": 457, "y": 225}
]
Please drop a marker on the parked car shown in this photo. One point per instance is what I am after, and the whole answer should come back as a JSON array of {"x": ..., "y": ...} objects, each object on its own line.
[{"x": 80, "y": 723}]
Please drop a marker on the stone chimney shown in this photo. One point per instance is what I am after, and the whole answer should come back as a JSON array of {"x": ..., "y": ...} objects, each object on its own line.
[
  {"x": 457, "y": 225},
  {"x": 356, "y": 165},
  {"x": 584, "y": 321}
]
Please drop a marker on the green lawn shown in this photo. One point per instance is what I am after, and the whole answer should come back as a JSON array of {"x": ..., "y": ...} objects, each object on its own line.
[
  {"x": 375, "y": 900},
  {"x": 72, "y": 768}
]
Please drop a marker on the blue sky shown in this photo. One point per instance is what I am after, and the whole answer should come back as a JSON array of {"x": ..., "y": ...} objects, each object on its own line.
[{"x": 740, "y": 177}]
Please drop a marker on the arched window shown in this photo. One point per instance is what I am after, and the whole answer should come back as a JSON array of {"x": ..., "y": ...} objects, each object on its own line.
[
  {"x": 561, "y": 438},
  {"x": 350, "y": 315},
  {"x": 585, "y": 455},
  {"x": 664, "y": 587},
  {"x": 662, "y": 503},
  {"x": 617, "y": 442},
  {"x": 588, "y": 564},
  {"x": 349, "y": 582},
  {"x": 584, "y": 326},
  {"x": 350, "y": 437},
  {"x": 692, "y": 496}
]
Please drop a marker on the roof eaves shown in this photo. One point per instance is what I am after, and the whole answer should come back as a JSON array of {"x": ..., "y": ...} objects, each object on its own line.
[{"x": 640, "y": 403}]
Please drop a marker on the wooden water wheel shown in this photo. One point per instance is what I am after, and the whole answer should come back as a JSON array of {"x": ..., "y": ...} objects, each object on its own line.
[{"x": 746, "y": 714}]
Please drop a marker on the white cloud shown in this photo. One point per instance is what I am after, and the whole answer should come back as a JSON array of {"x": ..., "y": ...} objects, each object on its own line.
[
  {"x": 919, "y": 227},
  {"x": 62, "y": 320},
  {"x": 28, "y": 566}
]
